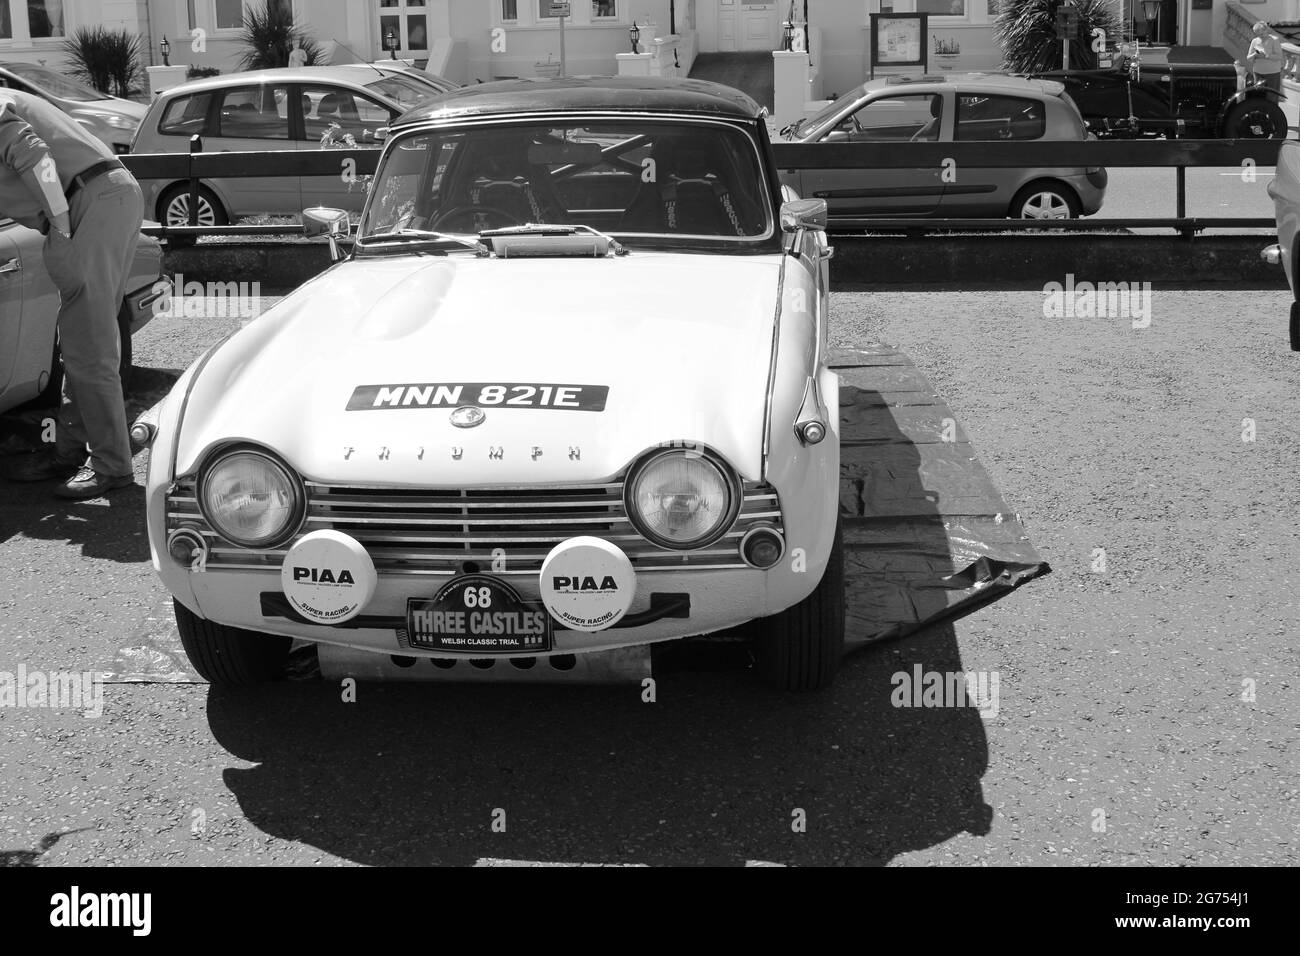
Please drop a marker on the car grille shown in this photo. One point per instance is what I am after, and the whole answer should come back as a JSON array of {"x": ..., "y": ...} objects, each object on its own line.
[{"x": 500, "y": 531}]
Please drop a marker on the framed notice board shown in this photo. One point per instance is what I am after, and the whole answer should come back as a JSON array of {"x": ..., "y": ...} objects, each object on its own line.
[{"x": 899, "y": 39}]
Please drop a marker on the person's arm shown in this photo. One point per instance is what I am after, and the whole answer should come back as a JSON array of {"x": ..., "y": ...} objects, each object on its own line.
[{"x": 23, "y": 151}]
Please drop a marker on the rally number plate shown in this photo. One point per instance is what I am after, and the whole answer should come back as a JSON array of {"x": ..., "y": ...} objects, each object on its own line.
[{"x": 478, "y": 614}]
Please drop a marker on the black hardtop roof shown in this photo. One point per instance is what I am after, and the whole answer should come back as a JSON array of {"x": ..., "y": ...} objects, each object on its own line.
[{"x": 587, "y": 93}]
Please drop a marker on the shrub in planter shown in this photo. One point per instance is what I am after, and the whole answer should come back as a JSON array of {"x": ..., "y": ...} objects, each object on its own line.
[
  {"x": 109, "y": 60},
  {"x": 268, "y": 35},
  {"x": 1026, "y": 31}
]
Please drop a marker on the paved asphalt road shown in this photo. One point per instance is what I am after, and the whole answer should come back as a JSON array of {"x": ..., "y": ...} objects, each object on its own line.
[
  {"x": 1148, "y": 193},
  {"x": 1121, "y": 693}
]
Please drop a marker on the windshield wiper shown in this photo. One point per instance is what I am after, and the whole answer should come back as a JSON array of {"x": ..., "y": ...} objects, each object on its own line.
[
  {"x": 555, "y": 229},
  {"x": 416, "y": 235}
]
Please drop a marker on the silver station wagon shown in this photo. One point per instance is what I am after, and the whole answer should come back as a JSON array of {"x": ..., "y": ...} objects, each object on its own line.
[
  {"x": 304, "y": 108},
  {"x": 945, "y": 109}
]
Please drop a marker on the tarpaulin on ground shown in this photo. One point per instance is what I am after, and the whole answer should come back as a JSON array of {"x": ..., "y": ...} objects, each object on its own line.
[{"x": 927, "y": 536}]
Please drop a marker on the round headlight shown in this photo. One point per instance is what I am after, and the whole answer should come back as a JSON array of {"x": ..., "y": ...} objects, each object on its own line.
[
  {"x": 250, "y": 499},
  {"x": 681, "y": 499}
]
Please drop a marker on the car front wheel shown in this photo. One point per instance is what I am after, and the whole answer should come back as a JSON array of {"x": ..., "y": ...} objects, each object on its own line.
[
  {"x": 1255, "y": 119},
  {"x": 1045, "y": 200},
  {"x": 174, "y": 207},
  {"x": 800, "y": 648},
  {"x": 230, "y": 656}
]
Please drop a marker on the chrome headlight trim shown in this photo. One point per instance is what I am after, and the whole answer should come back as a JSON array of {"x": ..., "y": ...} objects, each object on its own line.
[
  {"x": 297, "y": 514},
  {"x": 689, "y": 452}
]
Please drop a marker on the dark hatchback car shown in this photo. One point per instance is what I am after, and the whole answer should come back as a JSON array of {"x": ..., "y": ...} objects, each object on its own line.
[{"x": 1191, "y": 100}]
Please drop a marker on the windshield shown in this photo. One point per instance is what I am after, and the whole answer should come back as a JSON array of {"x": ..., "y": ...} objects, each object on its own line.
[
  {"x": 666, "y": 182},
  {"x": 53, "y": 83},
  {"x": 407, "y": 93},
  {"x": 834, "y": 106}
]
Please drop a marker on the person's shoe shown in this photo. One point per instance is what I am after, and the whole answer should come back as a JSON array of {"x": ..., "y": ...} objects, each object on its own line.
[
  {"x": 88, "y": 483},
  {"x": 43, "y": 466}
]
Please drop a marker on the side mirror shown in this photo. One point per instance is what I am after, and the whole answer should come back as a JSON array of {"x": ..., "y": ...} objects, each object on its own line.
[
  {"x": 324, "y": 221},
  {"x": 804, "y": 214}
]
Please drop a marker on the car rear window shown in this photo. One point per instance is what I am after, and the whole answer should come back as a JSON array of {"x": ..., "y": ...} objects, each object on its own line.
[
  {"x": 186, "y": 115},
  {"x": 984, "y": 117}
]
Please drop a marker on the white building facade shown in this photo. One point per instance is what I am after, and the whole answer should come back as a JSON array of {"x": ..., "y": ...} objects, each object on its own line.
[{"x": 471, "y": 40}]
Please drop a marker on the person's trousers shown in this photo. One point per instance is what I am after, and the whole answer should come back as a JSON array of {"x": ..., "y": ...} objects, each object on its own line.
[
  {"x": 1272, "y": 80},
  {"x": 106, "y": 215}
]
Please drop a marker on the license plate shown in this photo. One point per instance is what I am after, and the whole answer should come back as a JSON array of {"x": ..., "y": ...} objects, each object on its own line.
[{"x": 478, "y": 614}]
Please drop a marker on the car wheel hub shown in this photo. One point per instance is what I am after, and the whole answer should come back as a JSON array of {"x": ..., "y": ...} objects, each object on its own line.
[
  {"x": 178, "y": 212},
  {"x": 1045, "y": 206}
]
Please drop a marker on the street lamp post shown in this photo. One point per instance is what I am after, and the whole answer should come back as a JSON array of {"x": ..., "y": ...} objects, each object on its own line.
[
  {"x": 166, "y": 49},
  {"x": 635, "y": 34},
  {"x": 390, "y": 43}
]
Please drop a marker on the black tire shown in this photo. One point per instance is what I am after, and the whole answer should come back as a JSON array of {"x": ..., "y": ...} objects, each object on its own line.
[
  {"x": 124, "y": 335},
  {"x": 1255, "y": 118},
  {"x": 211, "y": 212},
  {"x": 800, "y": 648},
  {"x": 1048, "y": 196},
  {"x": 230, "y": 656},
  {"x": 51, "y": 395}
]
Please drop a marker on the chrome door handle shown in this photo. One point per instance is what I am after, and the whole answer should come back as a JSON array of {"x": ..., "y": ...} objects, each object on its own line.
[{"x": 13, "y": 265}]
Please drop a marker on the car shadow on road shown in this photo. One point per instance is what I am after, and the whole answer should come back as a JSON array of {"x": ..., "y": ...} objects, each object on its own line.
[{"x": 717, "y": 770}]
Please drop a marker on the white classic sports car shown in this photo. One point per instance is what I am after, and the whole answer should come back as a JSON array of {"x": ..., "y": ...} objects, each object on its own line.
[
  {"x": 1285, "y": 192},
  {"x": 567, "y": 395}
]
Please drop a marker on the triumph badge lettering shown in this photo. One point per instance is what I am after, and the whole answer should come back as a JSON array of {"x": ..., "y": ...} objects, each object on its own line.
[
  {"x": 328, "y": 577},
  {"x": 576, "y": 398},
  {"x": 478, "y": 614},
  {"x": 588, "y": 583}
]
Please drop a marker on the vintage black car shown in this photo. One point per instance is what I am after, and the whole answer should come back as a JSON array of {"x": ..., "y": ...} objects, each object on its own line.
[{"x": 1191, "y": 100}]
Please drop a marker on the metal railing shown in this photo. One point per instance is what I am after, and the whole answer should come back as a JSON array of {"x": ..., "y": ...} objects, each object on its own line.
[{"x": 1178, "y": 154}]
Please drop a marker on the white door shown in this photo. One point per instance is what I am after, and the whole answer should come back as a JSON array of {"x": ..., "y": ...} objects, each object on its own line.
[{"x": 760, "y": 25}]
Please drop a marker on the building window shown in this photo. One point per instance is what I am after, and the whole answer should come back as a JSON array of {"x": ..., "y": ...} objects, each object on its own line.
[
  {"x": 24, "y": 20},
  {"x": 582, "y": 13},
  {"x": 408, "y": 23},
  {"x": 229, "y": 14},
  {"x": 45, "y": 18},
  {"x": 936, "y": 8}
]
